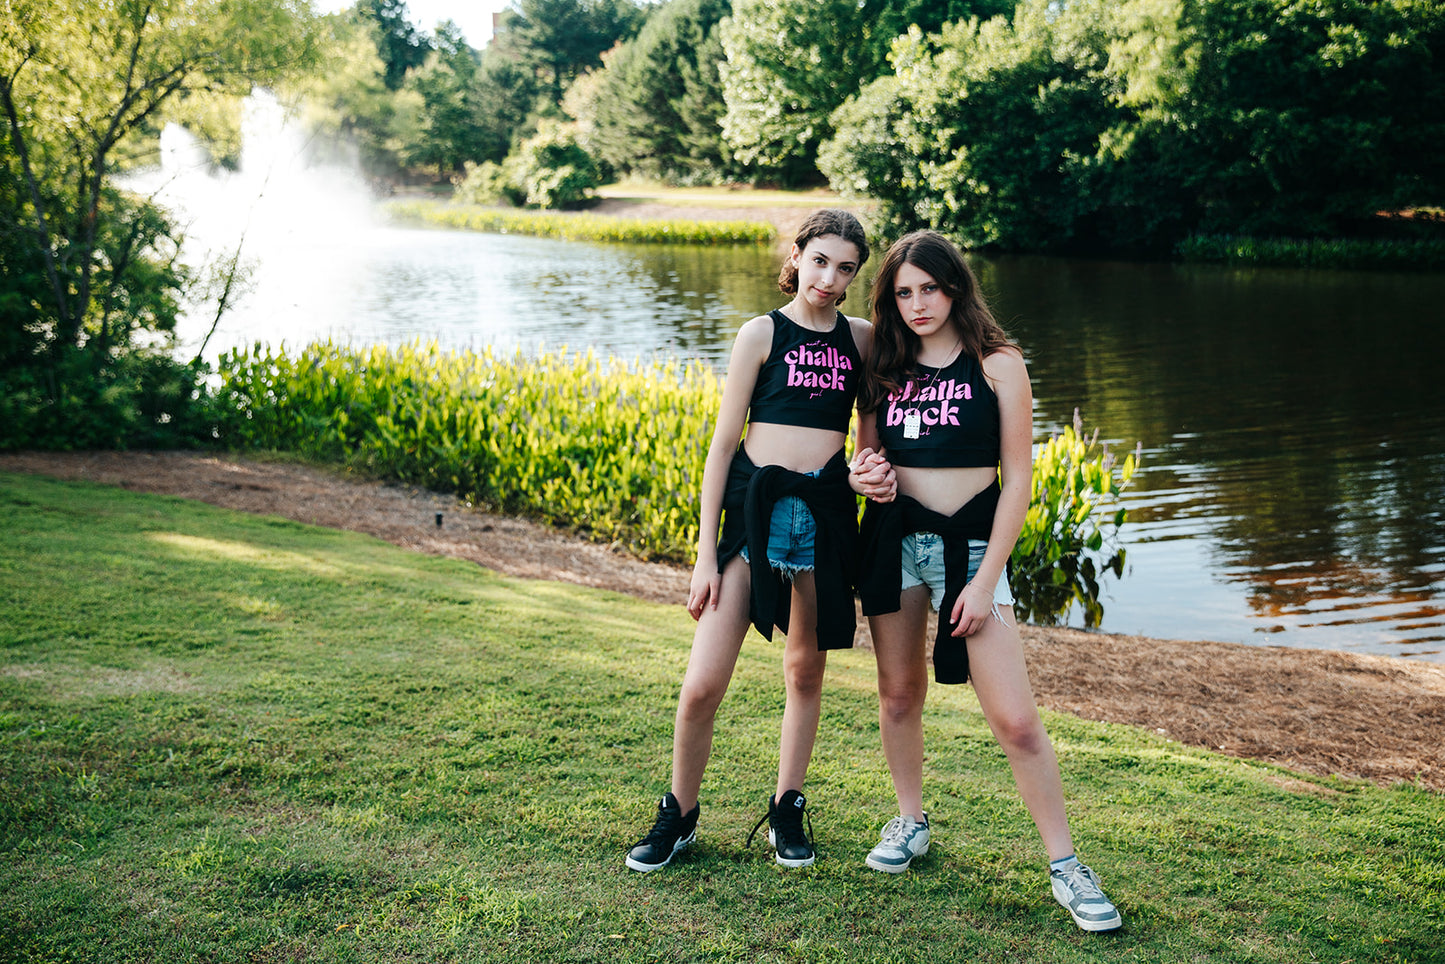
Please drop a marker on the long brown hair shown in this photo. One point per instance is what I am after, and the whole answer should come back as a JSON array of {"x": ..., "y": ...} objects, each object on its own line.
[
  {"x": 895, "y": 346},
  {"x": 820, "y": 224}
]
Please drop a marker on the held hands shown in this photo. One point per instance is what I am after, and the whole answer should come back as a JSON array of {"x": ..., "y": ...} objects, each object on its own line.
[{"x": 871, "y": 475}]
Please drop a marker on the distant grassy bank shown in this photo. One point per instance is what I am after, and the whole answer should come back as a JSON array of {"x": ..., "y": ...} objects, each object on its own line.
[
  {"x": 1396, "y": 254},
  {"x": 582, "y": 226},
  {"x": 226, "y": 737}
]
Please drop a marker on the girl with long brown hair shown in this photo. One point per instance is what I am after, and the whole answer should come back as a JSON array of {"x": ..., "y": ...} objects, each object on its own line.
[{"x": 946, "y": 400}]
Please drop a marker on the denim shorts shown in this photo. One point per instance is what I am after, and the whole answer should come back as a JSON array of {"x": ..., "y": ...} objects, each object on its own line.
[
  {"x": 791, "y": 534},
  {"x": 923, "y": 566}
]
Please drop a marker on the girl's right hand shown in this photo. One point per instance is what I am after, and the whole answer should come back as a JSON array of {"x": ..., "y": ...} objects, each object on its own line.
[{"x": 703, "y": 593}]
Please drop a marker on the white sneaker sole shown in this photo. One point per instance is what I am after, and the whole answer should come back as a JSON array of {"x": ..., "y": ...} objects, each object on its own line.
[
  {"x": 894, "y": 868},
  {"x": 1092, "y": 926},
  {"x": 805, "y": 862}
]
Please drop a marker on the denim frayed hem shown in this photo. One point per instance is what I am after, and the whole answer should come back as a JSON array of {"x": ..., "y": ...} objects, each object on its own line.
[
  {"x": 787, "y": 569},
  {"x": 790, "y": 569}
]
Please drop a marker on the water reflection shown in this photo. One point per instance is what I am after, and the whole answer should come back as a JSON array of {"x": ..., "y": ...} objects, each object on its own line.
[{"x": 1287, "y": 426}]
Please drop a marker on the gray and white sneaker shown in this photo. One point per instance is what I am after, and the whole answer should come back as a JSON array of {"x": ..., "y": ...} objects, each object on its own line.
[
  {"x": 903, "y": 839},
  {"x": 1077, "y": 888}
]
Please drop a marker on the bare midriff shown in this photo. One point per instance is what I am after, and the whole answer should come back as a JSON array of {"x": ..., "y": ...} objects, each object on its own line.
[
  {"x": 944, "y": 490},
  {"x": 794, "y": 448}
]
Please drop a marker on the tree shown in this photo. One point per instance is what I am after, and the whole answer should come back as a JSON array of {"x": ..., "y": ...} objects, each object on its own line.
[
  {"x": 346, "y": 98},
  {"x": 1132, "y": 124},
  {"x": 791, "y": 63},
  {"x": 401, "y": 45},
  {"x": 1309, "y": 118},
  {"x": 78, "y": 86},
  {"x": 564, "y": 37},
  {"x": 659, "y": 101},
  {"x": 449, "y": 132},
  {"x": 507, "y": 91}
]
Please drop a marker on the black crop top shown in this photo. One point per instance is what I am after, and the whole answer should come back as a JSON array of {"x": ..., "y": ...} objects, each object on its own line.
[
  {"x": 943, "y": 417},
  {"x": 810, "y": 378}
]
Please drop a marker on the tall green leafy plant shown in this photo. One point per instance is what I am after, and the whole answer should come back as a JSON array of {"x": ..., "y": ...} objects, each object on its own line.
[
  {"x": 610, "y": 449},
  {"x": 1069, "y": 541}
]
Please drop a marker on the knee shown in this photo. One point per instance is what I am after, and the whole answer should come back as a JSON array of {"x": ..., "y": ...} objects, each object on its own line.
[
  {"x": 901, "y": 701},
  {"x": 699, "y": 701},
  {"x": 1021, "y": 734},
  {"x": 804, "y": 677}
]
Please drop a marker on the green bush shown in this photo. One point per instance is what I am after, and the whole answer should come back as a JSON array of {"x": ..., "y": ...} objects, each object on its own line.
[
  {"x": 487, "y": 183},
  {"x": 138, "y": 399},
  {"x": 553, "y": 169},
  {"x": 611, "y": 449},
  {"x": 1070, "y": 540}
]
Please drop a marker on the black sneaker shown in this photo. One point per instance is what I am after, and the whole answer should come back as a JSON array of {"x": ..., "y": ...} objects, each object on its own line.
[
  {"x": 672, "y": 831},
  {"x": 785, "y": 830}
]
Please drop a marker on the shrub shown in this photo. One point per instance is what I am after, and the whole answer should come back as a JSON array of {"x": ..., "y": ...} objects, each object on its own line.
[
  {"x": 137, "y": 399},
  {"x": 610, "y": 449},
  {"x": 553, "y": 169},
  {"x": 487, "y": 183},
  {"x": 1069, "y": 540}
]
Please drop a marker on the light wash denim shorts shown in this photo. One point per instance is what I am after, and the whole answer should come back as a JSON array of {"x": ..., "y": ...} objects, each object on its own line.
[
  {"x": 792, "y": 531},
  {"x": 923, "y": 566}
]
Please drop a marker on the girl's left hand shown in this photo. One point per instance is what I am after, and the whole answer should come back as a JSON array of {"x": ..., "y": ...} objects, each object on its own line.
[{"x": 971, "y": 611}]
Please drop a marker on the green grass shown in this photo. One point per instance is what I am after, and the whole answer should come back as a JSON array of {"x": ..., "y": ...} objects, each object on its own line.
[
  {"x": 582, "y": 227},
  {"x": 236, "y": 738}
]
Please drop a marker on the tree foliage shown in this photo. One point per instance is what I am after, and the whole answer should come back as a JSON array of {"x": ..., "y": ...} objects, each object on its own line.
[
  {"x": 565, "y": 37},
  {"x": 790, "y": 63},
  {"x": 79, "y": 87},
  {"x": 449, "y": 105},
  {"x": 659, "y": 101},
  {"x": 401, "y": 45},
  {"x": 1131, "y": 124}
]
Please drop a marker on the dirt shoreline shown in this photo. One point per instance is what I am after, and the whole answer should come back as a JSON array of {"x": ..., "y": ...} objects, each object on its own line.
[{"x": 1372, "y": 718}]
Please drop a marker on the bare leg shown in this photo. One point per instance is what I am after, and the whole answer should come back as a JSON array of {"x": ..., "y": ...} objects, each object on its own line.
[
  {"x": 1001, "y": 680},
  {"x": 715, "y": 646},
  {"x": 803, "y": 668},
  {"x": 899, "y": 647}
]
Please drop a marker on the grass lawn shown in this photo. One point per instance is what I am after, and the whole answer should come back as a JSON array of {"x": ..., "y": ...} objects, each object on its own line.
[{"x": 233, "y": 738}]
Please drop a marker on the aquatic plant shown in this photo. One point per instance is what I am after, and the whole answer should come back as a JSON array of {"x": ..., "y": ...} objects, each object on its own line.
[
  {"x": 613, "y": 450},
  {"x": 1070, "y": 537},
  {"x": 1400, "y": 254}
]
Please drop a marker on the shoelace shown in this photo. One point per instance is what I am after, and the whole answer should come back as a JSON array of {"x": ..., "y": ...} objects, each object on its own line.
[
  {"x": 789, "y": 827},
  {"x": 1082, "y": 882},
  {"x": 666, "y": 829},
  {"x": 896, "y": 831}
]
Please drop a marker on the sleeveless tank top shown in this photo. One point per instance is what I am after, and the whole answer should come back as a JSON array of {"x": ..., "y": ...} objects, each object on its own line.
[
  {"x": 810, "y": 378},
  {"x": 942, "y": 418}
]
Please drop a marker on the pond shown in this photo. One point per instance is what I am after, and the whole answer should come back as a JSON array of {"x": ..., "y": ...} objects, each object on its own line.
[{"x": 1292, "y": 491}]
